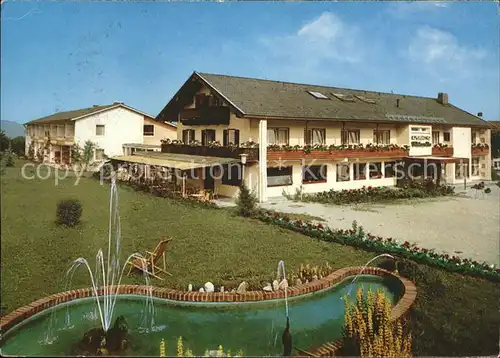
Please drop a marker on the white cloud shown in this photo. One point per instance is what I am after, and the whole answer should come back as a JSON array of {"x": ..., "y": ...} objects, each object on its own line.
[
  {"x": 325, "y": 38},
  {"x": 408, "y": 8},
  {"x": 432, "y": 46}
]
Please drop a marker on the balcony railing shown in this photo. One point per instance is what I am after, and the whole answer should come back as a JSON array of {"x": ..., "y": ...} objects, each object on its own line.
[
  {"x": 205, "y": 115},
  {"x": 222, "y": 152},
  {"x": 290, "y": 153}
]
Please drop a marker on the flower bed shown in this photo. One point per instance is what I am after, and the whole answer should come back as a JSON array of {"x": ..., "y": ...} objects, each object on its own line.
[
  {"x": 358, "y": 238},
  {"x": 371, "y": 194}
]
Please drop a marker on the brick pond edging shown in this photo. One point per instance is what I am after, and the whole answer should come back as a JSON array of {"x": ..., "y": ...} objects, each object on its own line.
[{"x": 410, "y": 292}]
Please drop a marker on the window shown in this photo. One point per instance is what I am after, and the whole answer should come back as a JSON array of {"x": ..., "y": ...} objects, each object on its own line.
[
  {"x": 314, "y": 174},
  {"x": 381, "y": 136},
  {"x": 461, "y": 170},
  {"x": 317, "y": 95},
  {"x": 375, "y": 170},
  {"x": 278, "y": 136},
  {"x": 315, "y": 136},
  {"x": 207, "y": 136},
  {"x": 359, "y": 171},
  {"x": 390, "y": 169},
  {"x": 99, "y": 130},
  {"x": 343, "y": 172},
  {"x": 279, "y": 176},
  {"x": 214, "y": 101},
  {"x": 350, "y": 136},
  {"x": 148, "y": 130},
  {"x": 99, "y": 154},
  {"x": 232, "y": 174},
  {"x": 60, "y": 131},
  {"x": 474, "y": 137},
  {"x": 475, "y": 166},
  {"x": 435, "y": 137},
  {"x": 364, "y": 99},
  {"x": 188, "y": 136},
  {"x": 344, "y": 97},
  {"x": 231, "y": 137},
  {"x": 200, "y": 100},
  {"x": 446, "y": 136}
]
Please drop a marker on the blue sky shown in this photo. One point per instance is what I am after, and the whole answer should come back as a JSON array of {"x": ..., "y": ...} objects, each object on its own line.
[{"x": 66, "y": 55}]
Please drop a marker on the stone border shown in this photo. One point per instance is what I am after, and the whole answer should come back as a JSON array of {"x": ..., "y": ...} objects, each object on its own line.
[{"x": 410, "y": 292}]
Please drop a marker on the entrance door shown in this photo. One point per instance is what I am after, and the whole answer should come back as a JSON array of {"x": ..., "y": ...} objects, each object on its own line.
[{"x": 209, "y": 182}]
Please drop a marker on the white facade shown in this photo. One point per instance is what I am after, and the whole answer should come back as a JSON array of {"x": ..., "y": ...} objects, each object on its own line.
[{"x": 121, "y": 126}]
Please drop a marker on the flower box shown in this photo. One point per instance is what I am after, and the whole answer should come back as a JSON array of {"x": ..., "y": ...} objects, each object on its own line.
[
  {"x": 334, "y": 154},
  {"x": 442, "y": 152},
  {"x": 480, "y": 151}
]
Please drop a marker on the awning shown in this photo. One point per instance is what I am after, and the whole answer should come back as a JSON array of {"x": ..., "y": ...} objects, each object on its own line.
[
  {"x": 173, "y": 160},
  {"x": 442, "y": 160}
]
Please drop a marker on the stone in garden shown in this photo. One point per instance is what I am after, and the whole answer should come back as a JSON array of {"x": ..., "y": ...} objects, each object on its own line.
[
  {"x": 209, "y": 287},
  {"x": 315, "y": 277},
  {"x": 268, "y": 288},
  {"x": 307, "y": 281},
  {"x": 283, "y": 284},
  {"x": 242, "y": 288},
  {"x": 202, "y": 290},
  {"x": 190, "y": 287},
  {"x": 275, "y": 285},
  {"x": 298, "y": 282},
  {"x": 222, "y": 289},
  {"x": 233, "y": 290}
]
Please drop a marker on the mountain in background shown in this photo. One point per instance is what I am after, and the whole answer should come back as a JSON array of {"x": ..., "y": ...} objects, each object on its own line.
[{"x": 12, "y": 129}]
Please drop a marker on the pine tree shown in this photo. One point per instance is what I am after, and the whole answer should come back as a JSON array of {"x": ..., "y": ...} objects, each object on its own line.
[{"x": 246, "y": 201}]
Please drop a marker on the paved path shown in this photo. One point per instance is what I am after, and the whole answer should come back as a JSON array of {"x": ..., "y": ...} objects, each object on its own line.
[{"x": 467, "y": 225}]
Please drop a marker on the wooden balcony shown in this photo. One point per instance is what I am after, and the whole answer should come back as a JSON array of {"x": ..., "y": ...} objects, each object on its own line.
[
  {"x": 205, "y": 116},
  {"x": 335, "y": 154},
  {"x": 222, "y": 152},
  {"x": 442, "y": 152}
]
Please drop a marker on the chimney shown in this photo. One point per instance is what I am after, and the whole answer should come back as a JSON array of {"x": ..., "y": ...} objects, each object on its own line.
[
  {"x": 117, "y": 102},
  {"x": 480, "y": 114},
  {"x": 397, "y": 102},
  {"x": 443, "y": 98}
]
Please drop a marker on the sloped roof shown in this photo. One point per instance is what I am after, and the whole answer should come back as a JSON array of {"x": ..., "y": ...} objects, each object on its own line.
[
  {"x": 257, "y": 97},
  {"x": 61, "y": 117}
]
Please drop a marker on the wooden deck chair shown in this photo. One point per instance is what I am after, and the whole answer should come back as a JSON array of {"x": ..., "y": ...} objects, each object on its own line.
[{"x": 148, "y": 263}]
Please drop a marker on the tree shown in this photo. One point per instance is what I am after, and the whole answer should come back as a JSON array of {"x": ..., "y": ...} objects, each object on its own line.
[
  {"x": 88, "y": 152},
  {"x": 246, "y": 201},
  {"x": 9, "y": 160},
  {"x": 76, "y": 153},
  {"x": 18, "y": 145},
  {"x": 4, "y": 141}
]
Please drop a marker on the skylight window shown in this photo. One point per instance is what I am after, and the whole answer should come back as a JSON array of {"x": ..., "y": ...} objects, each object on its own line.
[
  {"x": 364, "y": 99},
  {"x": 344, "y": 97},
  {"x": 318, "y": 95}
]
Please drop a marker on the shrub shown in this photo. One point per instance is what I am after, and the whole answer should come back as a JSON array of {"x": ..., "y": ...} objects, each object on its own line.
[
  {"x": 246, "y": 201},
  {"x": 69, "y": 212},
  {"x": 368, "y": 330},
  {"x": 9, "y": 161}
]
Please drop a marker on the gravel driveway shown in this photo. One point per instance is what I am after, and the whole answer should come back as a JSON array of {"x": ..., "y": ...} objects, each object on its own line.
[{"x": 467, "y": 225}]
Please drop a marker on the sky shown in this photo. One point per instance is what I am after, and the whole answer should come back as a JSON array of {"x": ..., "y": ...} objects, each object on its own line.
[{"x": 58, "y": 56}]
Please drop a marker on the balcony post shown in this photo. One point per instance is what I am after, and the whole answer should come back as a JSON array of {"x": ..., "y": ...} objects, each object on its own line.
[{"x": 262, "y": 189}]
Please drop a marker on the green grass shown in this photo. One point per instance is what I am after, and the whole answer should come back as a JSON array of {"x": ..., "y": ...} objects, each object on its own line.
[
  {"x": 208, "y": 244},
  {"x": 459, "y": 316}
]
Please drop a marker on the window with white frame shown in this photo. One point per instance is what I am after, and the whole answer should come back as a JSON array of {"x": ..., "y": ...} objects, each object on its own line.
[
  {"x": 99, "y": 130},
  {"x": 475, "y": 166},
  {"x": 279, "y": 136},
  {"x": 435, "y": 137},
  {"x": 315, "y": 136},
  {"x": 188, "y": 136},
  {"x": 350, "y": 136},
  {"x": 446, "y": 136},
  {"x": 314, "y": 174},
  {"x": 359, "y": 171},
  {"x": 278, "y": 176},
  {"x": 343, "y": 172},
  {"x": 381, "y": 136}
]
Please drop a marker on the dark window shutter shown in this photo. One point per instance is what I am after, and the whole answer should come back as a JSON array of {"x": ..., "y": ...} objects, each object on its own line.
[
  {"x": 225, "y": 138},
  {"x": 237, "y": 137},
  {"x": 191, "y": 137},
  {"x": 203, "y": 137},
  {"x": 184, "y": 135}
]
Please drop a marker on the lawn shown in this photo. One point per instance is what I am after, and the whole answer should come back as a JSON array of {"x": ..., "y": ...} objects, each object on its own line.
[{"x": 452, "y": 316}]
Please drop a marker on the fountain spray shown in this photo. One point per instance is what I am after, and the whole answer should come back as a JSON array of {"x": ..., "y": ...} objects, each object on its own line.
[{"x": 286, "y": 338}]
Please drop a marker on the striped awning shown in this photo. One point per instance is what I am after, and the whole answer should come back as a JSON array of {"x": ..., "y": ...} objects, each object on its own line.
[{"x": 173, "y": 160}]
